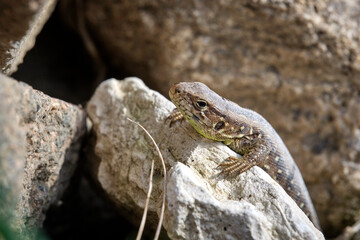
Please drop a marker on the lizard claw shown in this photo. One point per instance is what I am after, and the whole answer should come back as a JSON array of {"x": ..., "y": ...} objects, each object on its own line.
[
  {"x": 175, "y": 116},
  {"x": 234, "y": 165}
]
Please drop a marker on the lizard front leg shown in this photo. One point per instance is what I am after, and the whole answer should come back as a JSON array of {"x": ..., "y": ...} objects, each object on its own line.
[
  {"x": 254, "y": 153},
  {"x": 175, "y": 116}
]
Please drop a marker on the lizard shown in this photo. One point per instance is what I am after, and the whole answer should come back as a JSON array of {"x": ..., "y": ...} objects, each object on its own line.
[{"x": 245, "y": 132}]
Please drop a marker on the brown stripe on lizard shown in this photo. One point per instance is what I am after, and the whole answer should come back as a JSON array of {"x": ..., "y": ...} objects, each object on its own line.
[{"x": 245, "y": 132}]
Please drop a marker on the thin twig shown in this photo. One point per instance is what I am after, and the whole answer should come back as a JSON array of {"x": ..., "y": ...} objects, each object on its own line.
[
  {"x": 158, "y": 229},
  {"x": 143, "y": 220}
]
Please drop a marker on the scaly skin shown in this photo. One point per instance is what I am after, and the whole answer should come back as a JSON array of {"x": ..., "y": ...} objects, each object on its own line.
[{"x": 245, "y": 132}]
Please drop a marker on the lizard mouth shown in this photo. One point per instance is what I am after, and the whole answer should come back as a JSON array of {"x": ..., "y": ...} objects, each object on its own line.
[
  {"x": 174, "y": 90},
  {"x": 182, "y": 101},
  {"x": 176, "y": 95}
]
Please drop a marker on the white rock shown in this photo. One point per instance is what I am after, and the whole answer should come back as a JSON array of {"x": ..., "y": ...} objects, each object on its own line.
[{"x": 200, "y": 205}]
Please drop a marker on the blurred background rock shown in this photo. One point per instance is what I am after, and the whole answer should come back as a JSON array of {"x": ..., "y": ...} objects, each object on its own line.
[{"x": 296, "y": 63}]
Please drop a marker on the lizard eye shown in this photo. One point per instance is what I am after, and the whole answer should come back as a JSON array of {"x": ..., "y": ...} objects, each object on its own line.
[{"x": 201, "y": 103}]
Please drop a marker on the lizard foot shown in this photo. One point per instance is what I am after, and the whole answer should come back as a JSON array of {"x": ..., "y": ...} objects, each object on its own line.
[
  {"x": 234, "y": 165},
  {"x": 175, "y": 116}
]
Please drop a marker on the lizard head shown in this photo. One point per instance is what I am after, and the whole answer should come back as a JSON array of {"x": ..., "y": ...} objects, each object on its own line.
[{"x": 205, "y": 110}]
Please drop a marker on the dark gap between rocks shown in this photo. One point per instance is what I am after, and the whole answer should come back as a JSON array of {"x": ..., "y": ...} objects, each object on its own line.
[{"x": 60, "y": 66}]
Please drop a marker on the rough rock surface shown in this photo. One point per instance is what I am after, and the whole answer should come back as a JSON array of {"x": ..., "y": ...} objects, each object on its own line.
[
  {"x": 295, "y": 62},
  {"x": 20, "y": 23},
  {"x": 260, "y": 212},
  {"x": 12, "y": 154},
  {"x": 199, "y": 204},
  {"x": 39, "y": 148}
]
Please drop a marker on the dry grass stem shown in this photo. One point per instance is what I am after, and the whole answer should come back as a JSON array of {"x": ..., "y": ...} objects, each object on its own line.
[{"x": 161, "y": 218}]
